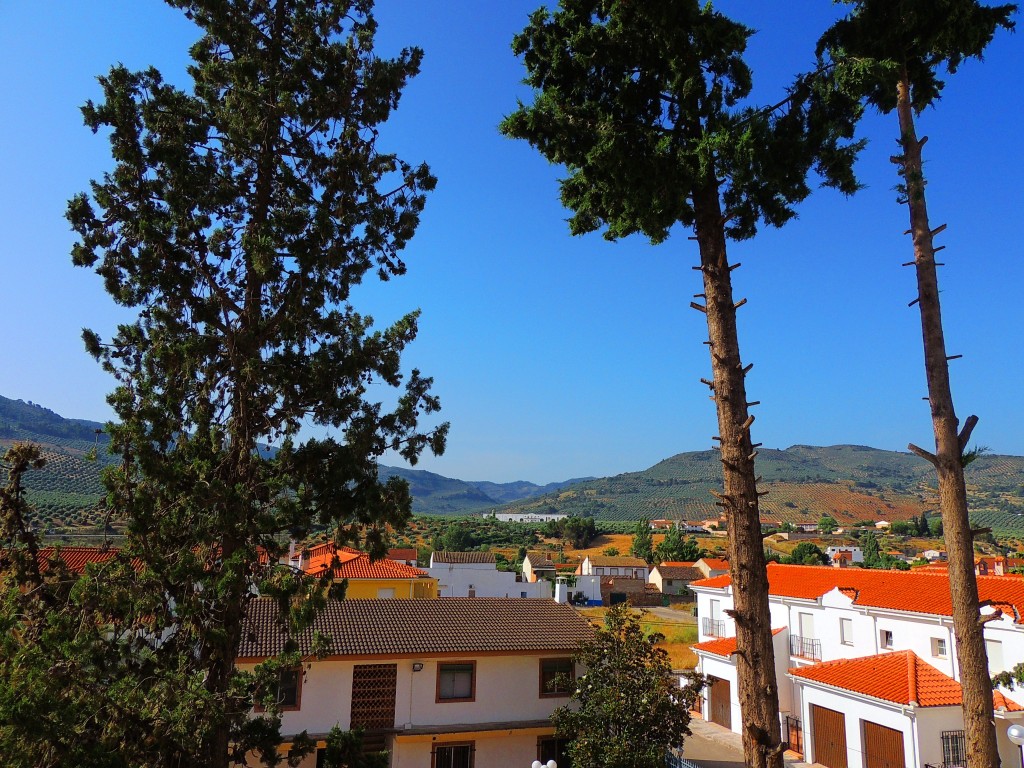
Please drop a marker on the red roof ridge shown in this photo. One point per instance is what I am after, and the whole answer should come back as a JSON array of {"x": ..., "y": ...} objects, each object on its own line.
[{"x": 911, "y": 676}]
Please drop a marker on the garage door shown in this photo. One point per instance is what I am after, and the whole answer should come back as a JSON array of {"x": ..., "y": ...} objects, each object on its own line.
[
  {"x": 721, "y": 707},
  {"x": 828, "y": 734},
  {"x": 883, "y": 747}
]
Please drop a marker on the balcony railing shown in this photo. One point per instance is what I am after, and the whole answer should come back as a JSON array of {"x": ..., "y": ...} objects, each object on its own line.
[
  {"x": 805, "y": 648},
  {"x": 712, "y": 627}
]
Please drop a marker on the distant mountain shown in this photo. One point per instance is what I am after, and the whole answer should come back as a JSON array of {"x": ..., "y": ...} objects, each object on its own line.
[
  {"x": 438, "y": 495},
  {"x": 850, "y": 482}
]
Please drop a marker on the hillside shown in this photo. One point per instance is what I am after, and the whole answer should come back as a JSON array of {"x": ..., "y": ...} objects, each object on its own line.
[{"x": 850, "y": 482}]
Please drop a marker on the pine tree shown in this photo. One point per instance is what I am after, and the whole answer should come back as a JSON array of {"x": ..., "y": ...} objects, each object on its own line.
[
  {"x": 236, "y": 221},
  {"x": 899, "y": 46},
  {"x": 641, "y": 103}
]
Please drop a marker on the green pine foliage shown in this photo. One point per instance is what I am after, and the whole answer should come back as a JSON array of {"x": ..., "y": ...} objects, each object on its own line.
[
  {"x": 628, "y": 709},
  {"x": 235, "y": 221}
]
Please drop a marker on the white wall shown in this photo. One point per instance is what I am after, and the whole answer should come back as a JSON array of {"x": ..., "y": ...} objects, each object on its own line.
[
  {"x": 507, "y": 689},
  {"x": 856, "y": 710},
  {"x": 456, "y": 580},
  {"x": 512, "y": 749}
]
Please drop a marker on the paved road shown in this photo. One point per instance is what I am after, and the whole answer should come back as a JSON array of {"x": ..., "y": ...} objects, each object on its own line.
[
  {"x": 712, "y": 746},
  {"x": 670, "y": 614}
]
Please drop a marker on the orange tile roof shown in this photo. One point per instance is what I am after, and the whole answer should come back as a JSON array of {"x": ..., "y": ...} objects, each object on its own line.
[
  {"x": 352, "y": 564},
  {"x": 679, "y": 563},
  {"x": 917, "y": 591},
  {"x": 900, "y": 677},
  {"x": 722, "y": 646},
  {"x": 75, "y": 558}
]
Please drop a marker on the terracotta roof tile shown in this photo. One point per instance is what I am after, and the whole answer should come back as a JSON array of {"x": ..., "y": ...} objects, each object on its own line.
[
  {"x": 423, "y": 627},
  {"x": 917, "y": 591},
  {"x": 722, "y": 646},
  {"x": 357, "y": 565},
  {"x": 458, "y": 558},
  {"x": 900, "y": 677},
  {"x": 75, "y": 558},
  {"x": 403, "y": 554},
  {"x": 679, "y": 563}
]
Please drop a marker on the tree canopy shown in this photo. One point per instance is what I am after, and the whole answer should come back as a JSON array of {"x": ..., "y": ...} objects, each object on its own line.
[
  {"x": 237, "y": 218},
  {"x": 628, "y": 708}
]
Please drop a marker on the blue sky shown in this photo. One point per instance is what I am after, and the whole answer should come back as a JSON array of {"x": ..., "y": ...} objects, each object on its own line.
[{"x": 559, "y": 357}]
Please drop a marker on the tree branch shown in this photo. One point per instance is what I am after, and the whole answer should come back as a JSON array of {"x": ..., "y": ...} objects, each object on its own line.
[{"x": 923, "y": 454}]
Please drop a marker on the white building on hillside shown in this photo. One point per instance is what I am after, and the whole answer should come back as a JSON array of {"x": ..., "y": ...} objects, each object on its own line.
[
  {"x": 476, "y": 574},
  {"x": 866, "y": 662}
]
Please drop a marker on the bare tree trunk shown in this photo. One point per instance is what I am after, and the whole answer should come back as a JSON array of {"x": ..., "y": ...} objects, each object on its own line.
[
  {"x": 979, "y": 725},
  {"x": 755, "y": 660}
]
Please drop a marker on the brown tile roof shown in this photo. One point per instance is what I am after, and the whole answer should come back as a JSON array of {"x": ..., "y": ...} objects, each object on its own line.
[
  {"x": 403, "y": 554},
  {"x": 901, "y": 677},
  {"x": 538, "y": 560},
  {"x": 424, "y": 627},
  {"x": 606, "y": 561},
  {"x": 918, "y": 591},
  {"x": 682, "y": 563},
  {"x": 683, "y": 572},
  {"x": 625, "y": 584},
  {"x": 464, "y": 557}
]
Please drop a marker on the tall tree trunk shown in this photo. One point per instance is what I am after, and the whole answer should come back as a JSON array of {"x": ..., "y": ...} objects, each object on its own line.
[
  {"x": 979, "y": 725},
  {"x": 755, "y": 660}
]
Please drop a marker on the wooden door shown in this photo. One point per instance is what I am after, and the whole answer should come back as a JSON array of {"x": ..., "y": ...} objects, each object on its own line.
[
  {"x": 721, "y": 706},
  {"x": 828, "y": 734},
  {"x": 883, "y": 747}
]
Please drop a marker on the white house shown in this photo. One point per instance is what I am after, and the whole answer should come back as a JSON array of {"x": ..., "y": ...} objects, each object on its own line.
[
  {"x": 460, "y": 682},
  {"x": 852, "y": 554},
  {"x": 673, "y": 578},
  {"x": 605, "y": 565},
  {"x": 538, "y": 566},
  {"x": 866, "y": 662},
  {"x": 528, "y": 517},
  {"x": 476, "y": 574}
]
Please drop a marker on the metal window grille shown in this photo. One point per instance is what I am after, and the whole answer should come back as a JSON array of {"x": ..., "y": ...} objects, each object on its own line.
[
  {"x": 712, "y": 627},
  {"x": 954, "y": 749}
]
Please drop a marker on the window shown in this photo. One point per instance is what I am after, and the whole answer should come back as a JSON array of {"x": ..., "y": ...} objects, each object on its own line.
[
  {"x": 846, "y": 631},
  {"x": 556, "y": 678},
  {"x": 456, "y": 682},
  {"x": 289, "y": 690},
  {"x": 939, "y": 647},
  {"x": 385, "y": 593},
  {"x": 452, "y": 755},
  {"x": 550, "y": 748},
  {"x": 994, "y": 651},
  {"x": 885, "y": 636}
]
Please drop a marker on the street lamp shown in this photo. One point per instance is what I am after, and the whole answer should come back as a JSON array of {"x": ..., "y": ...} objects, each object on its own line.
[
  {"x": 1015, "y": 733},
  {"x": 553, "y": 764}
]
